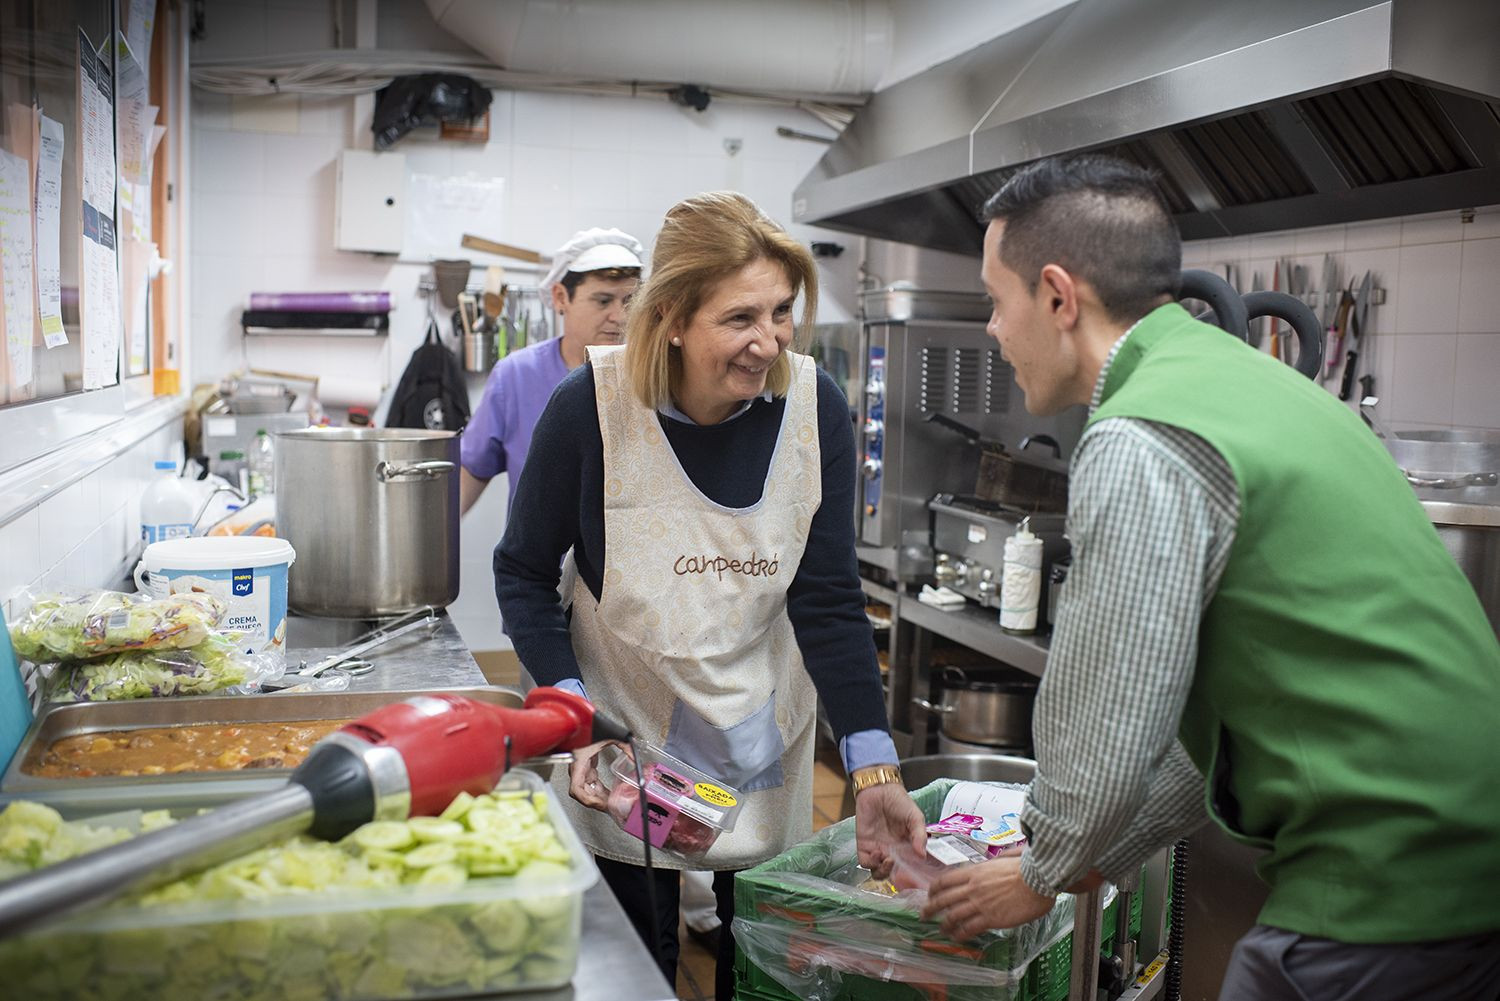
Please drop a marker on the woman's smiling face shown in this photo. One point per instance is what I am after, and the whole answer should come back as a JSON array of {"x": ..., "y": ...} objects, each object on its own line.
[{"x": 743, "y": 325}]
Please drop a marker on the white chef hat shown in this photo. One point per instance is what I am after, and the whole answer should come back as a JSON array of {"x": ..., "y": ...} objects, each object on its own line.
[{"x": 594, "y": 250}]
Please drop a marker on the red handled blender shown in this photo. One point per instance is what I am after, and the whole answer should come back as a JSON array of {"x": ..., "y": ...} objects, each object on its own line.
[{"x": 406, "y": 759}]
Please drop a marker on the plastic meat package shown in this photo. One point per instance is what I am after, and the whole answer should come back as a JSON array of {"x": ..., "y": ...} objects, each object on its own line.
[
  {"x": 79, "y": 625},
  {"x": 682, "y": 810},
  {"x": 216, "y": 665},
  {"x": 815, "y": 922}
]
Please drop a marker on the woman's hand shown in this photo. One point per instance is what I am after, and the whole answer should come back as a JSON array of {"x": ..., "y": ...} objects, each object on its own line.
[
  {"x": 973, "y": 898},
  {"x": 885, "y": 814},
  {"x": 583, "y": 777}
]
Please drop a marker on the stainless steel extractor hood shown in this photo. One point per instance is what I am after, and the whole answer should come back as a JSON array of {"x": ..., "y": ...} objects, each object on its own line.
[{"x": 1258, "y": 116}]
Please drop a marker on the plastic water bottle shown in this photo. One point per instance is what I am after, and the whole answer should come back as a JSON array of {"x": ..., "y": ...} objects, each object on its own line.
[
  {"x": 262, "y": 465},
  {"x": 168, "y": 506}
]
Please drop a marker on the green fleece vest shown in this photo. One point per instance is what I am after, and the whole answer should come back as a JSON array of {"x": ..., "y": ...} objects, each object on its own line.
[{"x": 1345, "y": 707}]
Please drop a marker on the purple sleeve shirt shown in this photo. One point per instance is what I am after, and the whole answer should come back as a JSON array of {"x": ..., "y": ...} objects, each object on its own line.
[{"x": 497, "y": 438}]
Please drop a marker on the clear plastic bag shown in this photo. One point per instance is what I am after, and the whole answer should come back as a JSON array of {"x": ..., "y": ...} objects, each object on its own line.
[
  {"x": 78, "y": 625},
  {"x": 215, "y": 666}
]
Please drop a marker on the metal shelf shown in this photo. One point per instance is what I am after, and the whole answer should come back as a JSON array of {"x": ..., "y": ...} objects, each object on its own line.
[
  {"x": 879, "y": 592},
  {"x": 978, "y": 629}
]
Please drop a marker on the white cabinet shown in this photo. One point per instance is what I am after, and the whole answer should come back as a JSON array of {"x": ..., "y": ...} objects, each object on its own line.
[{"x": 371, "y": 202}]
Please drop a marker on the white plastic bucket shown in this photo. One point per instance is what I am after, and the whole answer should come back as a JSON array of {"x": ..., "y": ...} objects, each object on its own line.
[{"x": 247, "y": 572}]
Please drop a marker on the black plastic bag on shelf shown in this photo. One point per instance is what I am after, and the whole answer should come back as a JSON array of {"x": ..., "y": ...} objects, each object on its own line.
[{"x": 410, "y": 102}]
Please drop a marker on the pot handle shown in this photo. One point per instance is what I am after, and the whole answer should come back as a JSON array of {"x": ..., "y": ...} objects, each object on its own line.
[
  {"x": 1454, "y": 482},
  {"x": 386, "y": 471},
  {"x": 940, "y": 710}
]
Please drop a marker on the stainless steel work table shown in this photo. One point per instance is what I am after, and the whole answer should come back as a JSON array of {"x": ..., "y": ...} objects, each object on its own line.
[{"x": 612, "y": 962}]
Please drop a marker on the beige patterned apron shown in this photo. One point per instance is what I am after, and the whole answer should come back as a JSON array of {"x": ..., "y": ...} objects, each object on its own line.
[{"x": 690, "y": 644}]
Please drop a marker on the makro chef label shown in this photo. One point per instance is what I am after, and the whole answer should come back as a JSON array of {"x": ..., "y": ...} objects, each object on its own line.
[{"x": 710, "y": 793}]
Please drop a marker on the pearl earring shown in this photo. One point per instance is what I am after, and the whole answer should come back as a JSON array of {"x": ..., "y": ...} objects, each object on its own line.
[{"x": 677, "y": 342}]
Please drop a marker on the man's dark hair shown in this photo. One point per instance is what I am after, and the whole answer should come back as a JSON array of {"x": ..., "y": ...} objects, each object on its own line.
[
  {"x": 572, "y": 279},
  {"x": 1101, "y": 219}
]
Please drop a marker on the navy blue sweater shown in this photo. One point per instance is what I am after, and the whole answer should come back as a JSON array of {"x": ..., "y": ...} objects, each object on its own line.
[{"x": 559, "y": 502}]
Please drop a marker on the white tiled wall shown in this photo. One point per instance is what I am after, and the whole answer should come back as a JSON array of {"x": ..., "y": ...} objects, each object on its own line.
[
  {"x": 262, "y": 208},
  {"x": 1434, "y": 345},
  {"x": 87, "y": 534}
]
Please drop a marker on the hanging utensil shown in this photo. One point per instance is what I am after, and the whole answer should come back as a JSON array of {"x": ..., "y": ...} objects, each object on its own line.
[
  {"x": 1360, "y": 315},
  {"x": 1256, "y": 331}
]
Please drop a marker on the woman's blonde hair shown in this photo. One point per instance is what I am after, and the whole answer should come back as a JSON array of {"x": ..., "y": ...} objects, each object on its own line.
[{"x": 704, "y": 240}]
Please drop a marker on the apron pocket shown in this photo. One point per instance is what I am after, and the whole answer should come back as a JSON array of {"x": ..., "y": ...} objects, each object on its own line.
[{"x": 746, "y": 755}]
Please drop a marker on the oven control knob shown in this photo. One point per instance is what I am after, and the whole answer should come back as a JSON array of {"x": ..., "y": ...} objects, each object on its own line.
[
  {"x": 871, "y": 468},
  {"x": 943, "y": 570},
  {"x": 873, "y": 428},
  {"x": 961, "y": 572},
  {"x": 988, "y": 588}
]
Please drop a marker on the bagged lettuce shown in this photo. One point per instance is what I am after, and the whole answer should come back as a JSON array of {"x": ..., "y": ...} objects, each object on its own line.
[
  {"x": 88, "y": 624},
  {"x": 215, "y": 665}
]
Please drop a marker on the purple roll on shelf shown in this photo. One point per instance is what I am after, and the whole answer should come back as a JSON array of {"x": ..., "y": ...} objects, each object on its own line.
[{"x": 322, "y": 302}]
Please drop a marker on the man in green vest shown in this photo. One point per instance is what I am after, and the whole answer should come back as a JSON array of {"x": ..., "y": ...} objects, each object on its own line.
[{"x": 1260, "y": 625}]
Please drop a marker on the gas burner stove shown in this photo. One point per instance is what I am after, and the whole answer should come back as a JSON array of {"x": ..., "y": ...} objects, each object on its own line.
[{"x": 968, "y": 543}]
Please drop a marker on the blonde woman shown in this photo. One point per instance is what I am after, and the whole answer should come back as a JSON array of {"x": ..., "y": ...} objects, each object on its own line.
[{"x": 702, "y": 476}]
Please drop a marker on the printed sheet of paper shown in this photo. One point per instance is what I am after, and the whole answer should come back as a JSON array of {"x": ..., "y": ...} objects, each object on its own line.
[
  {"x": 139, "y": 26},
  {"x": 16, "y": 270},
  {"x": 49, "y": 233},
  {"x": 135, "y": 263},
  {"x": 132, "y": 108},
  {"x": 99, "y": 279},
  {"x": 96, "y": 128},
  {"x": 100, "y": 302}
]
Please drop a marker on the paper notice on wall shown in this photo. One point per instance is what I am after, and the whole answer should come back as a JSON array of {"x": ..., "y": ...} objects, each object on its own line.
[
  {"x": 134, "y": 114},
  {"x": 99, "y": 300},
  {"x": 96, "y": 128},
  {"x": 135, "y": 263},
  {"x": 140, "y": 22},
  {"x": 16, "y": 269},
  {"x": 49, "y": 233},
  {"x": 99, "y": 278}
]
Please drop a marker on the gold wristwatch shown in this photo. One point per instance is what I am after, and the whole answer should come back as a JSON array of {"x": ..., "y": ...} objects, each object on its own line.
[{"x": 875, "y": 775}]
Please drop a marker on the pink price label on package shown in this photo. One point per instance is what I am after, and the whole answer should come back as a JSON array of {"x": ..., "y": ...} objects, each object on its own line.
[{"x": 956, "y": 823}]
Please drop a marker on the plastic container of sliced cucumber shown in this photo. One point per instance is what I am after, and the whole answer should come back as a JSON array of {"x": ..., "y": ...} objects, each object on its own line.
[{"x": 455, "y": 924}]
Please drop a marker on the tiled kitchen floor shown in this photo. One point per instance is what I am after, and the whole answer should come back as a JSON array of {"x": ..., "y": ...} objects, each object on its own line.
[{"x": 695, "y": 964}]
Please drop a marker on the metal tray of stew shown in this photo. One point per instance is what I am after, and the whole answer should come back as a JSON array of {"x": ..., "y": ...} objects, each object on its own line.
[{"x": 92, "y": 795}]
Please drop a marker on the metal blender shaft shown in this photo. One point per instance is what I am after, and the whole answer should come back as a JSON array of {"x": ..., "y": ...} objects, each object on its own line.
[{"x": 154, "y": 858}]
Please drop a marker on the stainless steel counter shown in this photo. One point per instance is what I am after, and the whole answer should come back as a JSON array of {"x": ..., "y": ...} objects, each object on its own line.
[
  {"x": 417, "y": 660},
  {"x": 613, "y": 964}
]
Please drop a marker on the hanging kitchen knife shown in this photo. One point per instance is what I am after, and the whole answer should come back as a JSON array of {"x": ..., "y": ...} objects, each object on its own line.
[
  {"x": 1275, "y": 345},
  {"x": 1332, "y": 295},
  {"x": 1257, "y": 330},
  {"x": 1359, "y": 318}
]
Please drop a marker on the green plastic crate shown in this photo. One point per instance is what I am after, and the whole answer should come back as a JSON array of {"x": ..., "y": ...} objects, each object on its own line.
[{"x": 770, "y": 895}]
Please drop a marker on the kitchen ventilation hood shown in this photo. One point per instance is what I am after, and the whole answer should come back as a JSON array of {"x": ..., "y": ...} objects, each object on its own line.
[{"x": 1258, "y": 116}]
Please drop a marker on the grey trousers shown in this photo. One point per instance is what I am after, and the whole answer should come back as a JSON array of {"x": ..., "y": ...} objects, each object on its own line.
[{"x": 1270, "y": 964}]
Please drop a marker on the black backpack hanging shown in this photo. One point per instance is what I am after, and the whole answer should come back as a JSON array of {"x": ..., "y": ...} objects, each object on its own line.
[{"x": 432, "y": 393}]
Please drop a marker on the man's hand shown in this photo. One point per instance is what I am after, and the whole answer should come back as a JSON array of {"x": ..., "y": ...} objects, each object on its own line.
[
  {"x": 884, "y": 814},
  {"x": 583, "y": 777},
  {"x": 973, "y": 898}
]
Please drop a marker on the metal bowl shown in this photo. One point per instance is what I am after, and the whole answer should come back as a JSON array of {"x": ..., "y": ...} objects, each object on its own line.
[{"x": 918, "y": 772}]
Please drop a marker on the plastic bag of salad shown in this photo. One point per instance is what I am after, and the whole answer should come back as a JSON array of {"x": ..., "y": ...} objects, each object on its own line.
[
  {"x": 58, "y": 625},
  {"x": 216, "y": 666}
]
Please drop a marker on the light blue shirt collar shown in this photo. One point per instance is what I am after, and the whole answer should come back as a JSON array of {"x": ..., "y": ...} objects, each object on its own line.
[{"x": 669, "y": 409}]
